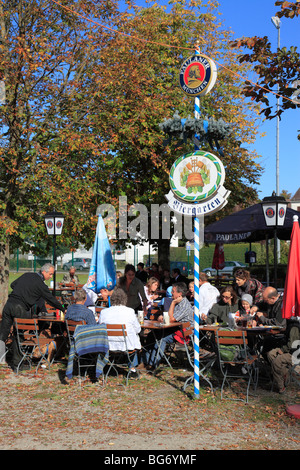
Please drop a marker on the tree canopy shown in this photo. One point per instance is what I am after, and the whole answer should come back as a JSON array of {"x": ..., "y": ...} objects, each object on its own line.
[
  {"x": 87, "y": 86},
  {"x": 278, "y": 72}
]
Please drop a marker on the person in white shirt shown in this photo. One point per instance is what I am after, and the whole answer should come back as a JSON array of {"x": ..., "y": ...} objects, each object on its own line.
[
  {"x": 208, "y": 295},
  {"x": 91, "y": 299},
  {"x": 118, "y": 313}
]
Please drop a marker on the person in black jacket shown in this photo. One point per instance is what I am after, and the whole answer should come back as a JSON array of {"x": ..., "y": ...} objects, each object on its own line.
[
  {"x": 178, "y": 277},
  {"x": 269, "y": 311},
  {"x": 27, "y": 291}
]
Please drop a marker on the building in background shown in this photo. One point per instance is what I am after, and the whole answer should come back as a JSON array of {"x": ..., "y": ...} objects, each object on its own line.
[{"x": 294, "y": 202}]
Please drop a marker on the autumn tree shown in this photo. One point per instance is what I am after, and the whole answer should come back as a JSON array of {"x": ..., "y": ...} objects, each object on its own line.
[
  {"x": 47, "y": 153},
  {"x": 277, "y": 71},
  {"x": 138, "y": 78},
  {"x": 87, "y": 86}
]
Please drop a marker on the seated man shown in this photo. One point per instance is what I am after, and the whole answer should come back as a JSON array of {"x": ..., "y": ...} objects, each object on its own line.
[
  {"x": 71, "y": 277},
  {"x": 78, "y": 311},
  {"x": 269, "y": 311},
  {"x": 118, "y": 313},
  {"x": 180, "y": 311},
  {"x": 281, "y": 359}
]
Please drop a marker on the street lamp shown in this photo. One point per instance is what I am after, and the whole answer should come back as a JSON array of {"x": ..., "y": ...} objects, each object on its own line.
[
  {"x": 54, "y": 222},
  {"x": 274, "y": 210},
  {"x": 276, "y": 22}
]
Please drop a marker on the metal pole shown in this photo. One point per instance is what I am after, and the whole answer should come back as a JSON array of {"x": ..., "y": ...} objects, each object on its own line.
[
  {"x": 277, "y": 127},
  {"x": 267, "y": 262},
  {"x": 275, "y": 257},
  {"x": 54, "y": 256},
  {"x": 196, "y": 309},
  {"x": 277, "y": 241},
  {"x": 54, "y": 261},
  {"x": 196, "y": 274},
  {"x": 276, "y": 22}
]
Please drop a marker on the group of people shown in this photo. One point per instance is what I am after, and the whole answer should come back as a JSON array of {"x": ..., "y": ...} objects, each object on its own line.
[
  {"x": 132, "y": 294},
  {"x": 264, "y": 304},
  {"x": 164, "y": 276}
]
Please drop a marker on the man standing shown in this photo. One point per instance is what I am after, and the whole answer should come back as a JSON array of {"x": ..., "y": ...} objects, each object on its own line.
[
  {"x": 141, "y": 274},
  {"x": 27, "y": 291}
]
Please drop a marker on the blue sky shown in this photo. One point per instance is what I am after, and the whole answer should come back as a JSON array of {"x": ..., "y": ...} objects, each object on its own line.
[{"x": 254, "y": 19}]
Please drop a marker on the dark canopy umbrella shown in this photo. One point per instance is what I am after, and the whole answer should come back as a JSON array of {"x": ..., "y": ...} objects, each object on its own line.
[{"x": 247, "y": 225}]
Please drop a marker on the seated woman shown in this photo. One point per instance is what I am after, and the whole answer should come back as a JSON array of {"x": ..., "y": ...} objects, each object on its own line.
[
  {"x": 244, "y": 284},
  {"x": 219, "y": 312},
  {"x": 151, "y": 292},
  {"x": 191, "y": 292},
  {"x": 118, "y": 313}
]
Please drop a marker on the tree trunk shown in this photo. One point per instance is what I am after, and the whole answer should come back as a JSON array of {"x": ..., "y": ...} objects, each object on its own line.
[{"x": 4, "y": 274}]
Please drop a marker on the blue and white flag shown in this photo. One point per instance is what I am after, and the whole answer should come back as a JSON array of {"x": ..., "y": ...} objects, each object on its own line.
[{"x": 102, "y": 271}]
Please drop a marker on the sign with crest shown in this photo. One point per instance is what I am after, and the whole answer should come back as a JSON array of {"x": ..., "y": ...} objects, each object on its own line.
[
  {"x": 196, "y": 182},
  {"x": 197, "y": 75}
]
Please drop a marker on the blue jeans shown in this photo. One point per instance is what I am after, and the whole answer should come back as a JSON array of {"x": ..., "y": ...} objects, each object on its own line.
[
  {"x": 134, "y": 360},
  {"x": 152, "y": 355}
]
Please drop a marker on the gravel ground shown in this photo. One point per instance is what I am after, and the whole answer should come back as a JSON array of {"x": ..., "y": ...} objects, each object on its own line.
[{"x": 152, "y": 414}]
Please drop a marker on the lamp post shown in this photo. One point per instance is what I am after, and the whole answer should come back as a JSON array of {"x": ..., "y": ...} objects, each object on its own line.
[
  {"x": 276, "y": 22},
  {"x": 54, "y": 224},
  {"x": 274, "y": 210}
]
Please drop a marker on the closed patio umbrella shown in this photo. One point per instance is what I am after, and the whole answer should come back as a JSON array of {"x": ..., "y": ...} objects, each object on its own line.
[
  {"x": 102, "y": 273},
  {"x": 291, "y": 296},
  {"x": 218, "y": 259}
]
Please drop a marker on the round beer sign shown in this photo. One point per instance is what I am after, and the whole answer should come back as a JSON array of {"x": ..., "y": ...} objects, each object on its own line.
[
  {"x": 197, "y": 75},
  {"x": 196, "y": 176}
]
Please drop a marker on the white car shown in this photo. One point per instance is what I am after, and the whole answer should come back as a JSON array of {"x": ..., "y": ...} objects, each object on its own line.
[{"x": 228, "y": 269}]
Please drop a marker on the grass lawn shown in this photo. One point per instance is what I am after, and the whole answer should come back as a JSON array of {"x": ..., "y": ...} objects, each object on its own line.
[{"x": 83, "y": 276}]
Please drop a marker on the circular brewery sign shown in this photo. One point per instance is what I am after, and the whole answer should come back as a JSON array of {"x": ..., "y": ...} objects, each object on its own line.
[
  {"x": 196, "y": 176},
  {"x": 270, "y": 212},
  {"x": 197, "y": 75}
]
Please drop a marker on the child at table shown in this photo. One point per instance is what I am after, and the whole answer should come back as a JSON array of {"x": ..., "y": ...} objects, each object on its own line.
[{"x": 246, "y": 304}]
